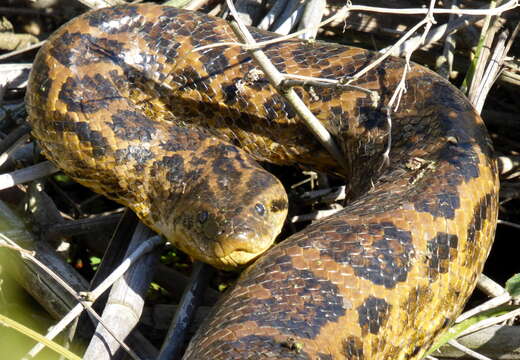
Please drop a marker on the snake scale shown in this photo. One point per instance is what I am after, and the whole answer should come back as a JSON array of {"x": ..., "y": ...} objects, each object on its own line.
[{"x": 120, "y": 100}]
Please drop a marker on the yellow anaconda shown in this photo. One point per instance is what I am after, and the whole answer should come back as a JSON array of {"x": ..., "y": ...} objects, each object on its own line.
[{"x": 120, "y": 101}]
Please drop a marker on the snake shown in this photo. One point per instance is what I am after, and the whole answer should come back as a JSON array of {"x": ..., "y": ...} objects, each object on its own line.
[{"x": 132, "y": 103}]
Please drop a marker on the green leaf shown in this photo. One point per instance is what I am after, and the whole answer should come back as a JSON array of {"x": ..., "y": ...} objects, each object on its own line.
[
  {"x": 513, "y": 286},
  {"x": 454, "y": 331},
  {"x": 62, "y": 178}
]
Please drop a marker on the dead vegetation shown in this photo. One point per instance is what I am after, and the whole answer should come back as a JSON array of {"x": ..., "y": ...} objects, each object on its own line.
[{"x": 53, "y": 232}]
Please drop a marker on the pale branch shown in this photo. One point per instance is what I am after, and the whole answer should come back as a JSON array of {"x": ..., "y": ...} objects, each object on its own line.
[
  {"x": 27, "y": 174},
  {"x": 509, "y": 223},
  {"x": 311, "y": 18},
  {"x": 417, "y": 11},
  {"x": 320, "y": 214},
  {"x": 276, "y": 78},
  {"x": 444, "y": 63},
  {"x": 490, "y": 73},
  {"x": 491, "y": 321},
  {"x": 21, "y": 51},
  {"x": 93, "y": 295},
  {"x": 494, "y": 66},
  {"x": 98, "y": 4},
  {"x": 467, "y": 350},
  {"x": 489, "y": 287},
  {"x": 29, "y": 255},
  {"x": 490, "y": 304},
  {"x": 18, "y": 144},
  {"x": 435, "y": 34},
  {"x": 288, "y": 18},
  {"x": 388, "y": 52},
  {"x": 269, "y": 19},
  {"x": 124, "y": 304},
  {"x": 65, "y": 353},
  {"x": 496, "y": 342}
]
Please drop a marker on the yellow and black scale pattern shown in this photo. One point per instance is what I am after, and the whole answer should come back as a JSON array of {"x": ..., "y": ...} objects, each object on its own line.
[{"x": 121, "y": 102}]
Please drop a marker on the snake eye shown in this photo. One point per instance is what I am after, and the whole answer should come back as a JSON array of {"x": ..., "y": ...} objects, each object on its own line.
[
  {"x": 260, "y": 209},
  {"x": 202, "y": 217}
]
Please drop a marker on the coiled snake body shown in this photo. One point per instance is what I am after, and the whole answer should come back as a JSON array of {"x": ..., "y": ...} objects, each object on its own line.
[{"x": 118, "y": 99}]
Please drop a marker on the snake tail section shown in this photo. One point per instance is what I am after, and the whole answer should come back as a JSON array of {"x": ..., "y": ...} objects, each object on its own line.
[{"x": 113, "y": 100}]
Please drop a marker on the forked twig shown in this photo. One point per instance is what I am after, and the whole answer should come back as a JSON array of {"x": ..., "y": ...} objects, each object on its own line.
[
  {"x": 93, "y": 295},
  {"x": 29, "y": 255},
  {"x": 276, "y": 78}
]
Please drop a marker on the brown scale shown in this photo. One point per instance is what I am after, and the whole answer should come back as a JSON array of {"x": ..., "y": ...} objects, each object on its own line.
[{"x": 120, "y": 100}]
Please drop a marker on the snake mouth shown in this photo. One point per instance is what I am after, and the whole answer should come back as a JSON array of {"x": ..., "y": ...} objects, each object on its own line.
[{"x": 240, "y": 248}]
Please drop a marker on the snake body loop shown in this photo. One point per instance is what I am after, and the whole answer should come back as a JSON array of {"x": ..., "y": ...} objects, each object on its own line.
[{"x": 120, "y": 100}]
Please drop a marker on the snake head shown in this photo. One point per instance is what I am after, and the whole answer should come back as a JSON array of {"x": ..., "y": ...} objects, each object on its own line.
[{"x": 227, "y": 221}]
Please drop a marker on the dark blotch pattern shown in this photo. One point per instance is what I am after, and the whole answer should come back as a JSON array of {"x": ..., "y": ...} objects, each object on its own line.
[
  {"x": 84, "y": 133},
  {"x": 373, "y": 314},
  {"x": 162, "y": 45},
  {"x": 353, "y": 348},
  {"x": 440, "y": 205},
  {"x": 40, "y": 73},
  {"x": 124, "y": 16},
  {"x": 451, "y": 99},
  {"x": 214, "y": 61},
  {"x": 183, "y": 139},
  {"x": 225, "y": 167},
  {"x": 88, "y": 94},
  {"x": 81, "y": 49},
  {"x": 369, "y": 117},
  {"x": 388, "y": 259},
  {"x": 257, "y": 347},
  {"x": 189, "y": 79},
  {"x": 305, "y": 295},
  {"x": 233, "y": 95},
  {"x": 463, "y": 158},
  {"x": 480, "y": 213},
  {"x": 277, "y": 105},
  {"x": 442, "y": 250},
  {"x": 132, "y": 125},
  {"x": 175, "y": 166}
]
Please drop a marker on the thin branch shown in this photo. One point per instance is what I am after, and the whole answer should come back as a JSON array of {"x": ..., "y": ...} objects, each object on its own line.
[
  {"x": 444, "y": 63},
  {"x": 491, "y": 321},
  {"x": 98, "y": 4},
  {"x": 93, "y": 295},
  {"x": 27, "y": 174},
  {"x": 496, "y": 11},
  {"x": 489, "y": 287},
  {"x": 490, "y": 304},
  {"x": 21, "y": 51},
  {"x": 388, "y": 52},
  {"x": 276, "y": 78},
  {"x": 301, "y": 80},
  {"x": 438, "y": 32},
  {"x": 22, "y": 140},
  {"x": 320, "y": 214},
  {"x": 508, "y": 223},
  {"x": 124, "y": 304},
  {"x": 467, "y": 350},
  {"x": 311, "y": 18},
  {"x": 85, "y": 304}
]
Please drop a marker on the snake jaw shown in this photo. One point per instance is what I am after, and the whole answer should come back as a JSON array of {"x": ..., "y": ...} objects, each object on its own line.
[{"x": 241, "y": 247}]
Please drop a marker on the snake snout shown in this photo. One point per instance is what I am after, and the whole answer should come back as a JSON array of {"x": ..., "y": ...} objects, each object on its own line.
[{"x": 243, "y": 242}]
